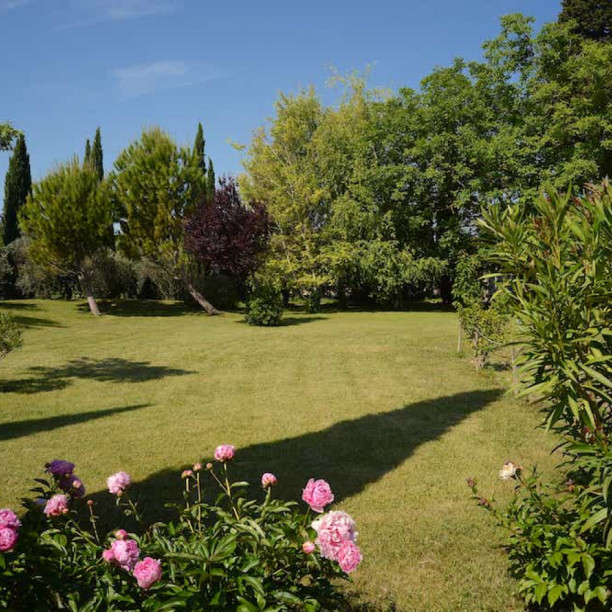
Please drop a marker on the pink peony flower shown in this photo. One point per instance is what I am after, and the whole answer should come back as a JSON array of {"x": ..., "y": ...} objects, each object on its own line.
[
  {"x": 60, "y": 467},
  {"x": 8, "y": 538},
  {"x": 349, "y": 556},
  {"x": 268, "y": 480},
  {"x": 121, "y": 534},
  {"x": 57, "y": 505},
  {"x": 317, "y": 494},
  {"x": 9, "y": 519},
  {"x": 108, "y": 555},
  {"x": 118, "y": 483},
  {"x": 125, "y": 553},
  {"x": 308, "y": 547},
  {"x": 333, "y": 529},
  {"x": 147, "y": 572},
  {"x": 225, "y": 452}
]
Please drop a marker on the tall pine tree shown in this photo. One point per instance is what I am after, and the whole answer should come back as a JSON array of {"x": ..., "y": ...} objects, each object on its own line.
[
  {"x": 97, "y": 157},
  {"x": 199, "y": 148},
  {"x": 17, "y": 187},
  {"x": 210, "y": 181},
  {"x": 592, "y": 18},
  {"x": 87, "y": 158}
]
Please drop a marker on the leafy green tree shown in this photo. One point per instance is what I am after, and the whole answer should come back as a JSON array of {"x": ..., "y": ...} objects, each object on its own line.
[
  {"x": 97, "y": 156},
  {"x": 7, "y": 135},
  {"x": 211, "y": 182},
  {"x": 157, "y": 185},
  {"x": 17, "y": 187},
  {"x": 199, "y": 148},
  {"x": 590, "y": 18},
  {"x": 66, "y": 221}
]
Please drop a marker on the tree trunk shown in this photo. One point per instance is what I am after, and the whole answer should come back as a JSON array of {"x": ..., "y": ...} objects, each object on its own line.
[
  {"x": 201, "y": 300},
  {"x": 87, "y": 290}
]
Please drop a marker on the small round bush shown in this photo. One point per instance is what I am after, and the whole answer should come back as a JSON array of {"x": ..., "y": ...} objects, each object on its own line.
[{"x": 265, "y": 308}]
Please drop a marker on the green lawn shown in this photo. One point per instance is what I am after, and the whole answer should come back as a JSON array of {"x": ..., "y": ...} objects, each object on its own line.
[{"x": 377, "y": 403}]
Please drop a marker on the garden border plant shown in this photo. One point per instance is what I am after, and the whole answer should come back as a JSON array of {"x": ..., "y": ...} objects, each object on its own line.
[
  {"x": 236, "y": 553},
  {"x": 557, "y": 261}
]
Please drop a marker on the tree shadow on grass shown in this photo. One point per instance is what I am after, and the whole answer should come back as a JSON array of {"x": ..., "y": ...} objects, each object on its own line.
[
  {"x": 112, "y": 369},
  {"x": 350, "y": 455},
  {"x": 20, "y": 313},
  {"x": 142, "y": 308},
  {"x": 19, "y": 429},
  {"x": 291, "y": 321}
]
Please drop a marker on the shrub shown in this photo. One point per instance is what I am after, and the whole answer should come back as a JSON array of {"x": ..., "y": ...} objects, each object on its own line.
[
  {"x": 237, "y": 553},
  {"x": 10, "y": 334},
  {"x": 557, "y": 258},
  {"x": 265, "y": 307},
  {"x": 559, "y": 557}
]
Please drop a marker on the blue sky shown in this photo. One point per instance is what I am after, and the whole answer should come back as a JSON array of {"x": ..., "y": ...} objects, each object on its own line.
[{"x": 70, "y": 65}]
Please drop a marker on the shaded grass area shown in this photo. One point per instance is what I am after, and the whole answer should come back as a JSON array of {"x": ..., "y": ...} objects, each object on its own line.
[{"x": 378, "y": 403}]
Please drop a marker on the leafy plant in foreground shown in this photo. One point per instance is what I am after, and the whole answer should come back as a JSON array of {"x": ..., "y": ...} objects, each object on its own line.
[{"x": 234, "y": 554}]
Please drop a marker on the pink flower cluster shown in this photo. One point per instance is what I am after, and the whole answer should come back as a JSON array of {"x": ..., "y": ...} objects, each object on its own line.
[
  {"x": 56, "y": 506},
  {"x": 317, "y": 494},
  {"x": 63, "y": 473},
  {"x": 9, "y": 530},
  {"x": 336, "y": 537},
  {"x": 225, "y": 452},
  {"x": 124, "y": 553},
  {"x": 118, "y": 483}
]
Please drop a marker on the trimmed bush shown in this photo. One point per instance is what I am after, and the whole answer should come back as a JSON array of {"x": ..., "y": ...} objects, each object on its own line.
[{"x": 265, "y": 308}]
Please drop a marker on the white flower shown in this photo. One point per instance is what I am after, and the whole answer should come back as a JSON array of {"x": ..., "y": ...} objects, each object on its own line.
[{"x": 509, "y": 470}]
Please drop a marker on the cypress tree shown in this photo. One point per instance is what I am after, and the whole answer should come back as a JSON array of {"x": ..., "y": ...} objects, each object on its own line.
[
  {"x": 210, "y": 181},
  {"x": 593, "y": 18},
  {"x": 199, "y": 148},
  {"x": 97, "y": 158},
  {"x": 17, "y": 187},
  {"x": 87, "y": 158}
]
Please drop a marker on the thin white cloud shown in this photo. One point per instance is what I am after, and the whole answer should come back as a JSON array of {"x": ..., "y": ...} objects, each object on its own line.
[
  {"x": 117, "y": 10},
  {"x": 90, "y": 12},
  {"x": 7, "y": 5},
  {"x": 143, "y": 79}
]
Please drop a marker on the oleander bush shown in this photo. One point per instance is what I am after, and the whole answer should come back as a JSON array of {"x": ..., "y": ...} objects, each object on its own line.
[
  {"x": 236, "y": 553},
  {"x": 557, "y": 261}
]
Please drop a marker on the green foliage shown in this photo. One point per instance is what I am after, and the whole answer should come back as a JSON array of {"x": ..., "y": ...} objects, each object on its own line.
[
  {"x": 199, "y": 149},
  {"x": 238, "y": 553},
  {"x": 7, "y": 135},
  {"x": 590, "y": 18},
  {"x": 265, "y": 306},
  {"x": 211, "y": 182},
  {"x": 66, "y": 221},
  {"x": 486, "y": 327},
  {"x": 557, "y": 259},
  {"x": 156, "y": 184},
  {"x": 560, "y": 561},
  {"x": 87, "y": 157},
  {"x": 10, "y": 335},
  {"x": 17, "y": 187},
  {"x": 97, "y": 155}
]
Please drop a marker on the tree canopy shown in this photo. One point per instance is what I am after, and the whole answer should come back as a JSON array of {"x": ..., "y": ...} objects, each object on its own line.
[{"x": 66, "y": 222}]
